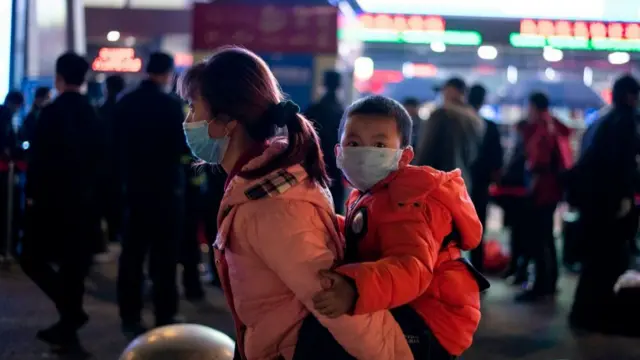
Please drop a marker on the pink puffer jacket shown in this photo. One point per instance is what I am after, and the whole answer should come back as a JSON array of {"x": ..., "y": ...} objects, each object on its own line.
[{"x": 275, "y": 234}]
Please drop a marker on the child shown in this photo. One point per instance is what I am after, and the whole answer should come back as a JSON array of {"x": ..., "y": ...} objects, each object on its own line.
[{"x": 405, "y": 227}]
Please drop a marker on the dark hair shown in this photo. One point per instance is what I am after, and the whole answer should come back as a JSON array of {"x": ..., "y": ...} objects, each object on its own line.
[
  {"x": 381, "y": 106},
  {"x": 42, "y": 91},
  {"x": 72, "y": 68},
  {"x": 411, "y": 101},
  {"x": 14, "y": 97},
  {"x": 237, "y": 84},
  {"x": 539, "y": 100},
  {"x": 159, "y": 63},
  {"x": 476, "y": 96},
  {"x": 332, "y": 80},
  {"x": 114, "y": 84},
  {"x": 623, "y": 87},
  {"x": 190, "y": 80}
]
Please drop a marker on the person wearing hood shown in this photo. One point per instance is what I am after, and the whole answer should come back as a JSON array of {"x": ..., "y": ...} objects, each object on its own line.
[
  {"x": 451, "y": 137},
  {"x": 545, "y": 143},
  {"x": 405, "y": 229}
]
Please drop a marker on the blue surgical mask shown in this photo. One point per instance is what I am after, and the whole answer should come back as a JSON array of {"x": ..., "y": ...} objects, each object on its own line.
[
  {"x": 202, "y": 145},
  {"x": 366, "y": 166}
]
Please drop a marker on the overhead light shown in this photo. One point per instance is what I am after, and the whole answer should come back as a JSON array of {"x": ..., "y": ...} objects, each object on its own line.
[
  {"x": 552, "y": 54},
  {"x": 408, "y": 70},
  {"x": 587, "y": 76},
  {"x": 550, "y": 73},
  {"x": 438, "y": 47},
  {"x": 113, "y": 36},
  {"x": 487, "y": 52},
  {"x": 619, "y": 58},
  {"x": 512, "y": 74},
  {"x": 363, "y": 68}
]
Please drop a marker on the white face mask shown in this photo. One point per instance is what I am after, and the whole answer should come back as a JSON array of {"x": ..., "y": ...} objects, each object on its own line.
[{"x": 366, "y": 166}]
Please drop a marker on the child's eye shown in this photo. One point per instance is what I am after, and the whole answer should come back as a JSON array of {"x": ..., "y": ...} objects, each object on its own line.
[
  {"x": 352, "y": 143},
  {"x": 380, "y": 145}
]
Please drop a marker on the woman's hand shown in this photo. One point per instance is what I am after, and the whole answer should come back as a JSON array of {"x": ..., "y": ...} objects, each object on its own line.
[{"x": 338, "y": 296}]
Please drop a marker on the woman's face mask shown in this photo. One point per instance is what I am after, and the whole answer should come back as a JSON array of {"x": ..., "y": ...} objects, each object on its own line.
[
  {"x": 366, "y": 166},
  {"x": 203, "y": 146}
]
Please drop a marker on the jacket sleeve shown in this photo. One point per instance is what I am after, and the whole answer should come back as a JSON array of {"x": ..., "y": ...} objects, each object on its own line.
[
  {"x": 39, "y": 151},
  {"x": 539, "y": 147},
  {"x": 296, "y": 253},
  {"x": 403, "y": 273}
]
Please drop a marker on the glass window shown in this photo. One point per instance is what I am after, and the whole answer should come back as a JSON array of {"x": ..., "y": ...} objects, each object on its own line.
[{"x": 105, "y": 3}]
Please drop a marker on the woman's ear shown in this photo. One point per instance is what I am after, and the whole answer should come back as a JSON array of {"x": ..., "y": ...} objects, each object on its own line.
[{"x": 336, "y": 150}]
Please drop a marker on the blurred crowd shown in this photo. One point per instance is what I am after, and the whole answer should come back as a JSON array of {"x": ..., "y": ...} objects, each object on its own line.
[{"x": 142, "y": 172}]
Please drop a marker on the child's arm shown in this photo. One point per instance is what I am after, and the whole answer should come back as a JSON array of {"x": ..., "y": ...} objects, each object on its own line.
[{"x": 403, "y": 273}]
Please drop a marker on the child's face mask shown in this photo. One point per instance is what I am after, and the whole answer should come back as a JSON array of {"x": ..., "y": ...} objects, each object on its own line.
[{"x": 366, "y": 166}]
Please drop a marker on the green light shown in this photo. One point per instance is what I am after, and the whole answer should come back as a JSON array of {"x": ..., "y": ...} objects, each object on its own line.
[
  {"x": 573, "y": 43},
  {"x": 449, "y": 37}
]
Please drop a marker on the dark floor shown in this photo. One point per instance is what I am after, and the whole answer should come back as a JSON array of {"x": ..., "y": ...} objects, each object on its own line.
[{"x": 508, "y": 331}]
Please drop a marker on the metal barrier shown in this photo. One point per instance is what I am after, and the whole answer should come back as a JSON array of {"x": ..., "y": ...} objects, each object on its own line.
[{"x": 180, "y": 342}]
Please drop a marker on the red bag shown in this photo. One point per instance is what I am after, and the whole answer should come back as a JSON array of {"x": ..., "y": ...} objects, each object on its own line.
[{"x": 496, "y": 258}]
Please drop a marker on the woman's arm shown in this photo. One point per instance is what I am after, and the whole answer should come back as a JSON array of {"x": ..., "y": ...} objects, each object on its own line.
[{"x": 297, "y": 251}]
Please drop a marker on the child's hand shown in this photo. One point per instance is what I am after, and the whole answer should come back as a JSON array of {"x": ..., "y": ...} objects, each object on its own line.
[{"x": 338, "y": 295}]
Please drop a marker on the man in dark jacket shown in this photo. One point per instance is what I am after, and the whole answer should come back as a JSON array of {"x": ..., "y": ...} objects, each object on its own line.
[
  {"x": 602, "y": 186},
  {"x": 452, "y": 135},
  {"x": 8, "y": 146},
  {"x": 548, "y": 155},
  {"x": 64, "y": 178},
  {"x": 486, "y": 168},
  {"x": 326, "y": 115},
  {"x": 153, "y": 154}
]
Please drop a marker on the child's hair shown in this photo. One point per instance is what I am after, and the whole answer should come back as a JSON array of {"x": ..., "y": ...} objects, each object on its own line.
[
  {"x": 238, "y": 84},
  {"x": 381, "y": 106}
]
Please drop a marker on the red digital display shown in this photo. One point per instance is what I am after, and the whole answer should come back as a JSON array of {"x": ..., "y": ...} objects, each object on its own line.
[
  {"x": 402, "y": 22},
  {"x": 116, "y": 60},
  {"x": 592, "y": 30}
]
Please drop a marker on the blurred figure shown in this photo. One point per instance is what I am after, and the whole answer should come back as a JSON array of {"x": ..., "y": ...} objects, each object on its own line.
[
  {"x": 602, "y": 187},
  {"x": 113, "y": 212},
  {"x": 152, "y": 157},
  {"x": 412, "y": 105},
  {"x": 13, "y": 102},
  {"x": 486, "y": 168},
  {"x": 452, "y": 136},
  {"x": 326, "y": 115},
  {"x": 64, "y": 180},
  {"x": 547, "y": 150},
  {"x": 42, "y": 98},
  {"x": 114, "y": 86}
]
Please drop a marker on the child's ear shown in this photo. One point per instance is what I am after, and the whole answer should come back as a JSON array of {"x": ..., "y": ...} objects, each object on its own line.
[
  {"x": 407, "y": 156},
  {"x": 336, "y": 150}
]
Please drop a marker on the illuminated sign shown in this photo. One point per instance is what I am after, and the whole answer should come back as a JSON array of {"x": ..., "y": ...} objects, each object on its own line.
[
  {"x": 116, "y": 60},
  {"x": 578, "y": 35},
  {"x": 407, "y": 29},
  {"x": 589, "y": 10}
]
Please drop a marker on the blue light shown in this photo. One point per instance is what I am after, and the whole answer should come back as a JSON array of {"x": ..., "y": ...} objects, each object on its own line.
[
  {"x": 25, "y": 145},
  {"x": 6, "y": 13}
]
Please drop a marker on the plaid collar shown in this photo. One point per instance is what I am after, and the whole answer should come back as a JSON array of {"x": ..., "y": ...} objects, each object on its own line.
[{"x": 274, "y": 184}]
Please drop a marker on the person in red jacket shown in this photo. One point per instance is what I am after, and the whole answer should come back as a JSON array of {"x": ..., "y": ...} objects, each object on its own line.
[
  {"x": 405, "y": 227},
  {"x": 547, "y": 150}
]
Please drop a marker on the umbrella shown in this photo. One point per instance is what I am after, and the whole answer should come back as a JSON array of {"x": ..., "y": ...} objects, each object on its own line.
[
  {"x": 567, "y": 93},
  {"x": 419, "y": 88}
]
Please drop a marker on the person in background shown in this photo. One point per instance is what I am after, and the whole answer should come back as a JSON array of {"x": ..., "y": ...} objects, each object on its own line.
[
  {"x": 412, "y": 105},
  {"x": 601, "y": 186},
  {"x": 326, "y": 115},
  {"x": 114, "y": 86},
  {"x": 152, "y": 154},
  {"x": 41, "y": 99},
  {"x": 14, "y": 101},
  {"x": 548, "y": 156},
  {"x": 485, "y": 170},
  {"x": 64, "y": 179},
  {"x": 452, "y": 136}
]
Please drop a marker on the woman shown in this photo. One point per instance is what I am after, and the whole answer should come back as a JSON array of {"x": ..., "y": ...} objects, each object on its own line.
[{"x": 277, "y": 229}]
